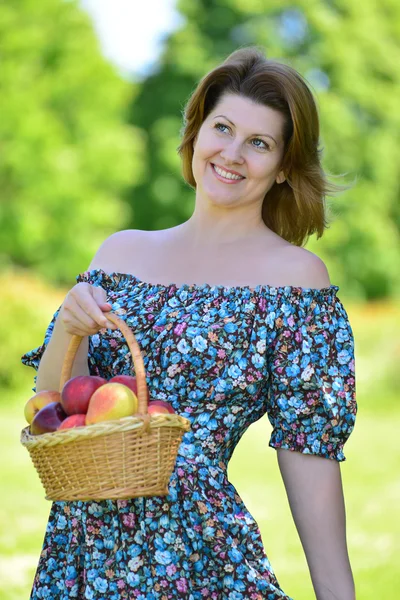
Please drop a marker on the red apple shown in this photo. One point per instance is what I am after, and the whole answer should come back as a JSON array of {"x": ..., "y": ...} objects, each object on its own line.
[
  {"x": 127, "y": 380},
  {"x": 73, "y": 421},
  {"x": 155, "y": 409},
  {"x": 38, "y": 401},
  {"x": 48, "y": 419},
  {"x": 164, "y": 406},
  {"x": 77, "y": 392},
  {"x": 159, "y": 407}
]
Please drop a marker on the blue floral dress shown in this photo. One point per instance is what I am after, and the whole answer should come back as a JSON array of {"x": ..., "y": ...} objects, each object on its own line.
[{"x": 223, "y": 357}]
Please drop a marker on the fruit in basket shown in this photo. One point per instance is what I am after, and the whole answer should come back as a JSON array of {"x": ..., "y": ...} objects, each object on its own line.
[
  {"x": 159, "y": 407},
  {"x": 127, "y": 380},
  {"x": 111, "y": 401},
  {"x": 48, "y": 419},
  {"x": 77, "y": 392},
  {"x": 73, "y": 421},
  {"x": 38, "y": 401}
]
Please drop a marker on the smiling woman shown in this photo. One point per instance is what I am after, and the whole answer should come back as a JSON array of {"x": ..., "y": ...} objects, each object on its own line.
[{"x": 237, "y": 322}]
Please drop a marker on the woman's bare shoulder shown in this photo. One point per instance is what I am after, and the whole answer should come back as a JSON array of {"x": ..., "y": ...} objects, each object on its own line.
[
  {"x": 304, "y": 268},
  {"x": 117, "y": 249}
]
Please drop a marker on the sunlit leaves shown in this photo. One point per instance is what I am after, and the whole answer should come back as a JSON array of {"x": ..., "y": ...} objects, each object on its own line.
[{"x": 67, "y": 155}]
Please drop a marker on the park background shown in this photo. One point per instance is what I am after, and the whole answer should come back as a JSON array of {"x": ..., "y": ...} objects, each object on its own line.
[{"x": 88, "y": 147}]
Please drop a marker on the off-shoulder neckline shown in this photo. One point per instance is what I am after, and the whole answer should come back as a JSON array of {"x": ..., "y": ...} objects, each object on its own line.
[{"x": 273, "y": 290}]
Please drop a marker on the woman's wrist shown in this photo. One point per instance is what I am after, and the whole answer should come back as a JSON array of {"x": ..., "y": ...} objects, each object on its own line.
[{"x": 339, "y": 588}]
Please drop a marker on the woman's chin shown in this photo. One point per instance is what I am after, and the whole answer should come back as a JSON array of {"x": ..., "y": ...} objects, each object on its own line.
[
  {"x": 217, "y": 193},
  {"x": 216, "y": 197}
]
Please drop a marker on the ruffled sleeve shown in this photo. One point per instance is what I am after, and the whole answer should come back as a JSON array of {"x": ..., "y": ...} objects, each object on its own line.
[
  {"x": 32, "y": 357},
  {"x": 311, "y": 399}
]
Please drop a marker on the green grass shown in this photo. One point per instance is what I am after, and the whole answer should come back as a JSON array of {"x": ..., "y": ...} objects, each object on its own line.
[
  {"x": 23, "y": 511},
  {"x": 372, "y": 496},
  {"x": 372, "y": 493}
]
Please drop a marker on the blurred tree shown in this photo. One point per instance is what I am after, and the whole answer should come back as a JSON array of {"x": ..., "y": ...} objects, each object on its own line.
[
  {"x": 67, "y": 151},
  {"x": 349, "y": 52}
]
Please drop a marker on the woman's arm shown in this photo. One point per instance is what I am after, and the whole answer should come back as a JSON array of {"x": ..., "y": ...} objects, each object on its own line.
[
  {"x": 51, "y": 363},
  {"x": 315, "y": 494}
]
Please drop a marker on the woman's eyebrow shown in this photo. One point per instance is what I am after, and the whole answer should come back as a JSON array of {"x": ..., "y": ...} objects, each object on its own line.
[{"x": 264, "y": 134}]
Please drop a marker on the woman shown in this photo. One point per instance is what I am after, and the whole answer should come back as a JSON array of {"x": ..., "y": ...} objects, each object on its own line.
[{"x": 235, "y": 320}]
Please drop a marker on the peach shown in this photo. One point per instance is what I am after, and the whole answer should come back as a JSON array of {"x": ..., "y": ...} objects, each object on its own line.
[
  {"x": 38, "y": 401},
  {"x": 111, "y": 401},
  {"x": 77, "y": 392},
  {"x": 73, "y": 421}
]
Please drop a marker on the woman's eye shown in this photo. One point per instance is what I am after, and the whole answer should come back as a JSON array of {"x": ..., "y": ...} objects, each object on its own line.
[
  {"x": 262, "y": 141},
  {"x": 221, "y": 127},
  {"x": 218, "y": 125}
]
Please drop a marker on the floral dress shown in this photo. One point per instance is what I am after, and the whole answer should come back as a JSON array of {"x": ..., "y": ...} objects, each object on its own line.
[{"x": 223, "y": 357}]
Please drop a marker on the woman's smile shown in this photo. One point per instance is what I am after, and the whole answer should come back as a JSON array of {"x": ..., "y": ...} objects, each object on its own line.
[{"x": 231, "y": 178}]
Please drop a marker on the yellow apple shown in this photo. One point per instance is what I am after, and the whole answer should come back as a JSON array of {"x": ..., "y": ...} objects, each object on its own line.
[{"x": 111, "y": 401}]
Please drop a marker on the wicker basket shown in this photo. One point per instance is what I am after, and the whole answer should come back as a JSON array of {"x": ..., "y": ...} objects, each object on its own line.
[{"x": 126, "y": 458}]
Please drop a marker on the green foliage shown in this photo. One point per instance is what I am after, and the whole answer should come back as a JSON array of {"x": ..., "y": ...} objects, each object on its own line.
[
  {"x": 67, "y": 155},
  {"x": 350, "y": 54},
  {"x": 85, "y": 153},
  {"x": 28, "y": 307}
]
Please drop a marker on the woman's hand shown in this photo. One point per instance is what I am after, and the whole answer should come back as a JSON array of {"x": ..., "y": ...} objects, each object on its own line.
[{"x": 82, "y": 312}]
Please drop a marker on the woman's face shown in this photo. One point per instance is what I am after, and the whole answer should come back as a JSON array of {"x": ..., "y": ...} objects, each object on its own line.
[{"x": 241, "y": 136}]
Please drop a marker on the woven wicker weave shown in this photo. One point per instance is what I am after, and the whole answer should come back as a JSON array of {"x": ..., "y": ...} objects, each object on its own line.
[{"x": 126, "y": 458}]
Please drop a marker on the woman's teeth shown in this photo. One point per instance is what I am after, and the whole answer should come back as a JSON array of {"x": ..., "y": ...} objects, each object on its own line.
[{"x": 226, "y": 174}]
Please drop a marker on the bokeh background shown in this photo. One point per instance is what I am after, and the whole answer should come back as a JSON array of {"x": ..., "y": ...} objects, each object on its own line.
[{"x": 92, "y": 95}]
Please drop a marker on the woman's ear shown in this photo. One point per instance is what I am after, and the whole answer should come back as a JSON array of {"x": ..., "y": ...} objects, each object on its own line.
[{"x": 280, "y": 178}]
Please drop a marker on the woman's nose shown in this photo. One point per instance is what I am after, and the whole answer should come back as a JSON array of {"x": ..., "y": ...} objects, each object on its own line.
[{"x": 232, "y": 153}]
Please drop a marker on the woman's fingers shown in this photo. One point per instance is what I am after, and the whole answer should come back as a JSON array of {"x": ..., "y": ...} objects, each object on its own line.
[
  {"x": 88, "y": 303},
  {"x": 106, "y": 306},
  {"x": 82, "y": 314},
  {"x": 77, "y": 321},
  {"x": 100, "y": 296}
]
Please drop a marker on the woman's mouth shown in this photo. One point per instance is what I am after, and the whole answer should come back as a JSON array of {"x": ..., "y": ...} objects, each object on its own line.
[{"x": 225, "y": 176}]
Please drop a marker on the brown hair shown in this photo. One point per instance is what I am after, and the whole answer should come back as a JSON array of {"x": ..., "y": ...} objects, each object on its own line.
[{"x": 296, "y": 208}]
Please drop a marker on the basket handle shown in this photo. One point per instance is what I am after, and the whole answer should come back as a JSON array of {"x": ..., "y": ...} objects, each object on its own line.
[{"x": 142, "y": 390}]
